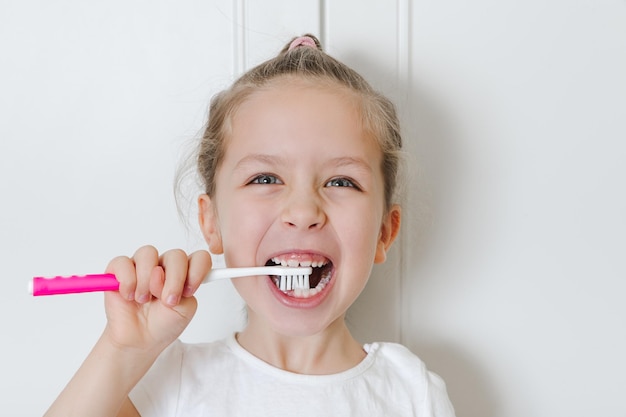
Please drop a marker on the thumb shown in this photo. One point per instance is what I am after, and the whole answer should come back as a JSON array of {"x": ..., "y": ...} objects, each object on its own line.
[{"x": 187, "y": 307}]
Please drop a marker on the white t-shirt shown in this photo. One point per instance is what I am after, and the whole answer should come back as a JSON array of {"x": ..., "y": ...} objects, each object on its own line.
[{"x": 223, "y": 379}]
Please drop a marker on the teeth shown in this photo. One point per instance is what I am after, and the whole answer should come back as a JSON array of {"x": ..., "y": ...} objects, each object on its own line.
[
  {"x": 307, "y": 292},
  {"x": 294, "y": 263}
]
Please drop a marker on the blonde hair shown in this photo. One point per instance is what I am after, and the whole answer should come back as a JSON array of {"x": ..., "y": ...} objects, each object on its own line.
[{"x": 304, "y": 62}]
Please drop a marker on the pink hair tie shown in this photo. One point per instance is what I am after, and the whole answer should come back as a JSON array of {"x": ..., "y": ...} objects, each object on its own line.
[{"x": 302, "y": 41}]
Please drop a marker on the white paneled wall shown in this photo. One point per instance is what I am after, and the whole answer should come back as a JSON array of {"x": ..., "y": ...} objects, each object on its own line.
[
  {"x": 509, "y": 277},
  {"x": 517, "y": 297}
]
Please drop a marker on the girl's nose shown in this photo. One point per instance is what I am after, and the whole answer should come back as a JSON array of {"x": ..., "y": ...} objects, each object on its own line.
[{"x": 303, "y": 211}]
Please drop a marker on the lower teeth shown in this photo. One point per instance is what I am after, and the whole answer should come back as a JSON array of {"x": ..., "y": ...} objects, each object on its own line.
[{"x": 307, "y": 292}]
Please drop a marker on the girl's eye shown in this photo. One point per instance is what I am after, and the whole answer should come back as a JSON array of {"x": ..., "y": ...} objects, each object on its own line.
[
  {"x": 341, "y": 182},
  {"x": 265, "y": 179}
]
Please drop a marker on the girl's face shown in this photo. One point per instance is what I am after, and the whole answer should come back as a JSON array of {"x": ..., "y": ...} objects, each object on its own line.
[{"x": 300, "y": 183}]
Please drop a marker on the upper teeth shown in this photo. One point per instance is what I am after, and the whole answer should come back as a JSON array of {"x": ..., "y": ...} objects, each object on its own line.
[{"x": 296, "y": 263}]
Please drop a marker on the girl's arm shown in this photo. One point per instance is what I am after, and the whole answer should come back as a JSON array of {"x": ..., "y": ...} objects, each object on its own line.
[
  {"x": 153, "y": 306},
  {"x": 101, "y": 385},
  {"x": 128, "y": 409}
]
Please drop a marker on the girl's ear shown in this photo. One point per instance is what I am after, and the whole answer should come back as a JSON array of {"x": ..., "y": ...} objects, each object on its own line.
[
  {"x": 207, "y": 217},
  {"x": 389, "y": 230}
]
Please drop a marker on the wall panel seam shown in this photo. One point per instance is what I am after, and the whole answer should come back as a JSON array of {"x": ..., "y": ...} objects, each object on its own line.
[
  {"x": 323, "y": 23},
  {"x": 239, "y": 36},
  {"x": 403, "y": 74}
]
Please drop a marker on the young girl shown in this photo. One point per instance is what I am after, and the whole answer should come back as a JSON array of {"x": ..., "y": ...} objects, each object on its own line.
[{"x": 299, "y": 162}]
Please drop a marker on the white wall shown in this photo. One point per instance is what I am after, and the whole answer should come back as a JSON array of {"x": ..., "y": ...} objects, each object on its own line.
[
  {"x": 510, "y": 275},
  {"x": 518, "y": 297}
]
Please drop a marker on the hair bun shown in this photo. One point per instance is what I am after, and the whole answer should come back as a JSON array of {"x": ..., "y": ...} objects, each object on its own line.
[{"x": 307, "y": 40}]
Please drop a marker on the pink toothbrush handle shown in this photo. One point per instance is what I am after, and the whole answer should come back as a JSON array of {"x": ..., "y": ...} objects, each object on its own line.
[{"x": 74, "y": 284}]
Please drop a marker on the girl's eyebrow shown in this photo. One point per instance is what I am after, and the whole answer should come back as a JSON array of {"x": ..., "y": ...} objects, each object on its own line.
[
  {"x": 277, "y": 160},
  {"x": 347, "y": 161},
  {"x": 259, "y": 158}
]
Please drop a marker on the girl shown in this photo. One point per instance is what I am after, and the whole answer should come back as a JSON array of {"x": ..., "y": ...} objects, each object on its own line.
[{"x": 299, "y": 163}]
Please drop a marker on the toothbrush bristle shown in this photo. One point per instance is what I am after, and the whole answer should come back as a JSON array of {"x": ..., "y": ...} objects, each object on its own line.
[{"x": 291, "y": 282}]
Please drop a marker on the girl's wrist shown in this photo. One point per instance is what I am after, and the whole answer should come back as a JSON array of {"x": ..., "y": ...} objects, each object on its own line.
[{"x": 130, "y": 357}]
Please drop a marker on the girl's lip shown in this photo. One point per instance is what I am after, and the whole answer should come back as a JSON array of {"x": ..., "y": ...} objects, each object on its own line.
[{"x": 303, "y": 303}]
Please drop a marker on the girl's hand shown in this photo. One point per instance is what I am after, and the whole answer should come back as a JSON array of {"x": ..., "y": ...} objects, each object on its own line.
[{"x": 155, "y": 301}]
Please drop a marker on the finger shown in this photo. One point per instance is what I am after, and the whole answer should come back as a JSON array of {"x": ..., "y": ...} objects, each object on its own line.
[
  {"x": 146, "y": 259},
  {"x": 124, "y": 270},
  {"x": 199, "y": 266},
  {"x": 157, "y": 282},
  {"x": 175, "y": 264}
]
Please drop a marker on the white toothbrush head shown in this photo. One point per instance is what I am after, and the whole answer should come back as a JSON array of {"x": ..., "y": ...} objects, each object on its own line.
[{"x": 292, "y": 281}]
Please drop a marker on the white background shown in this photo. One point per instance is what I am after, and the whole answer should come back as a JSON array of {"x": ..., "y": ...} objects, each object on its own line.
[{"x": 510, "y": 276}]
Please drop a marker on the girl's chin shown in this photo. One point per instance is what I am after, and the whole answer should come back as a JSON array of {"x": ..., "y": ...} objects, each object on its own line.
[{"x": 301, "y": 329}]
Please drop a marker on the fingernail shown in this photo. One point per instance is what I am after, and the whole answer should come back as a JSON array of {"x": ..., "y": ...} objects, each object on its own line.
[
  {"x": 143, "y": 298},
  {"x": 131, "y": 296},
  {"x": 188, "y": 291},
  {"x": 172, "y": 300}
]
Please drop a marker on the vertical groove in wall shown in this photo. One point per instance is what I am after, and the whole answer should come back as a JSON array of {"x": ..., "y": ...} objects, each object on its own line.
[
  {"x": 403, "y": 68},
  {"x": 403, "y": 41},
  {"x": 239, "y": 37},
  {"x": 323, "y": 23}
]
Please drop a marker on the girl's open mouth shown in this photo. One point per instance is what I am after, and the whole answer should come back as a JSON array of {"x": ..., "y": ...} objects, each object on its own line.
[{"x": 319, "y": 278}]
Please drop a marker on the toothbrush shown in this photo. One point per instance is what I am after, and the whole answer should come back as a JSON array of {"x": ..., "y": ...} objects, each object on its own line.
[{"x": 290, "y": 278}]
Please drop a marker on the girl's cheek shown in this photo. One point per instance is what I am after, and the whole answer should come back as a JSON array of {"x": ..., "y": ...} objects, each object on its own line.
[{"x": 242, "y": 233}]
